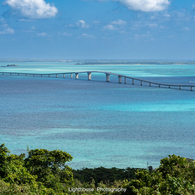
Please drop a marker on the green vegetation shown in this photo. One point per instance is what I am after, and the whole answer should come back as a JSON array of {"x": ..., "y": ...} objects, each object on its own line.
[
  {"x": 44, "y": 172},
  {"x": 175, "y": 175},
  {"x": 105, "y": 175}
]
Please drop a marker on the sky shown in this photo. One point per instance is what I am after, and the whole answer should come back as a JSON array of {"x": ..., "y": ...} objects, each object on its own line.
[{"x": 98, "y": 29}]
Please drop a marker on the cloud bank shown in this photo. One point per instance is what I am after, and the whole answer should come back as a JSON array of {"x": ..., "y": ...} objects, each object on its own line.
[
  {"x": 33, "y": 8},
  {"x": 115, "y": 25},
  {"x": 82, "y": 24},
  {"x": 7, "y": 31},
  {"x": 146, "y": 5}
]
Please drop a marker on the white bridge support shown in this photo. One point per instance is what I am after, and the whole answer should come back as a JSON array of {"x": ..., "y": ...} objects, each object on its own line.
[
  {"x": 119, "y": 79},
  {"x": 63, "y": 75},
  {"x": 107, "y": 77},
  {"x": 76, "y": 75},
  {"x": 56, "y": 75},
  {"x": 89, "y": 75},
  {"x": 71, "y": 76}
]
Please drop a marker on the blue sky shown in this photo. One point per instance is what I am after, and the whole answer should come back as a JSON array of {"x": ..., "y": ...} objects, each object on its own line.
[{"x": 97, "y": 29}]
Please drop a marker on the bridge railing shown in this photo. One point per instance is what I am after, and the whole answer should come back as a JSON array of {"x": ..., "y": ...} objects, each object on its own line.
[{"x": 89, "y": 73}]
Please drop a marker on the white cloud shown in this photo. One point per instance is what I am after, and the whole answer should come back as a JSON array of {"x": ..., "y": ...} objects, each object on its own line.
[
  {"x": 43, "y": 34},
  {"x": 96, "y": 22},
  {"x": 186, "y": 28},
  {"x": 115, "y": 25},
  {"x": 146, "y": 5},
  {"x": 167, "y": 15},
  {"x": 82, "y": 24},
  {"x": 5, "y": 28},
  {"x": 7, "y": 31},
  {"x": 33, "y": 8},
  {"x": 65, "y": 34},
  {"x": 152, "y": 25},
  {"x": 109, "y": 27},
  {"x": 119, "y": 22},
  {"x": 25, "y": 20},
  {"x": 88, "y": 36}
]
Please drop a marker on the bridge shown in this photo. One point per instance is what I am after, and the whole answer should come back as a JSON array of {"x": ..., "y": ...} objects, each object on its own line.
[{"x": 107, "y": 74}]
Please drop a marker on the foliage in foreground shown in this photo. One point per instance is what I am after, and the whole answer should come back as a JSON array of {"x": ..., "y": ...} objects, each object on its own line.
[
  {"x": 44, "y": 172},
  {"x": 175, "y": 176}
]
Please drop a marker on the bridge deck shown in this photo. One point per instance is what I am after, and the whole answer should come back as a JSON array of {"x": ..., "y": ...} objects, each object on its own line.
[{"x": 107, "y": 73}]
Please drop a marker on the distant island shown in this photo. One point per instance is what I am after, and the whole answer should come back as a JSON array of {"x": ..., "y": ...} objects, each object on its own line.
[
  {"x": 133, "y": 62},
  {"x": 105, "y": 61},
  {"x": 10, "y": 65}
]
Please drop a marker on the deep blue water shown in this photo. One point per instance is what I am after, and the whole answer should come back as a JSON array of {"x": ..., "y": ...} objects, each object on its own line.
[{"x": 99, "y": 123}]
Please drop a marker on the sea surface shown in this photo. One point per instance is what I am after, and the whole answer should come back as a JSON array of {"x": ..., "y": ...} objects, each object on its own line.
[{"x": 99, "y": 123}]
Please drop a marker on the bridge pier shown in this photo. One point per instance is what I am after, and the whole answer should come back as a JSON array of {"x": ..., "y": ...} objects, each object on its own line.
[
  {"x": 89, "y": 75},
  {"x": 76, "y": 75},
  {"x": 107, "y": 77},
  {"x": 119, "y": 79}
]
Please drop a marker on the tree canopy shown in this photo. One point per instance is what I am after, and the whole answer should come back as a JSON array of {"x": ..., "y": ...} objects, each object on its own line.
[
  {"x": 45, "y": 172},
  {"x": 175, "y": 176}
]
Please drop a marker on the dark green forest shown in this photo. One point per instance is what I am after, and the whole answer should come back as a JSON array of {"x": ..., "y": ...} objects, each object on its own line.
[{"x": 44, "y": 172}]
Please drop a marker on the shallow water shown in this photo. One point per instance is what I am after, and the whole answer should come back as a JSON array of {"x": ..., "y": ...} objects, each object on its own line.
[{"x": 99, "y": 123}]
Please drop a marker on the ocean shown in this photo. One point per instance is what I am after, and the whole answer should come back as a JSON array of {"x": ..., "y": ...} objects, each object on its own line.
[{"x": 99, "y": 123}]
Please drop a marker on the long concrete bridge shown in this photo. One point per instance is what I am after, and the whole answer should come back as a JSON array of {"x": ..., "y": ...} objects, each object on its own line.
[{"x": 107, "y": 74}]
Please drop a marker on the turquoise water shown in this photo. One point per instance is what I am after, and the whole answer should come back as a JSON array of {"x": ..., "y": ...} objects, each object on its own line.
[{"x": 99, "y": 123}]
